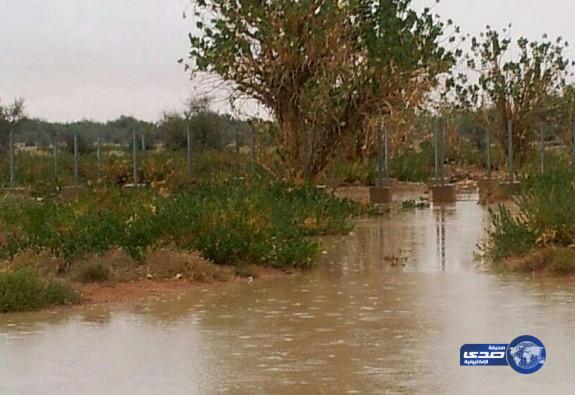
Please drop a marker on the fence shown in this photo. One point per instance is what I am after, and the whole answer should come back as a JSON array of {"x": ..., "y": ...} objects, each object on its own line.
[{"x": 135, "y": 162}]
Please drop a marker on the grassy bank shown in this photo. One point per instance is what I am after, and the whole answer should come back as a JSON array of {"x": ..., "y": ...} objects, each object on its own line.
[
  {"x": 25, "y": 290},
  {"x": 231, "y": 223},
  {"x": 537, "y": 233}
]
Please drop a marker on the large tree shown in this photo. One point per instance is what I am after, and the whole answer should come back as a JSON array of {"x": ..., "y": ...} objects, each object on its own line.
[
  {"x": 516, "y": 81},
  {"x": 323, "y": 68}
]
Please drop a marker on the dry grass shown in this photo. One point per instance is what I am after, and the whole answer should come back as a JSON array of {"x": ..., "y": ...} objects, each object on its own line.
[
  {"x": 168, "y": 264},
  {"x": 560, "y": 261}
]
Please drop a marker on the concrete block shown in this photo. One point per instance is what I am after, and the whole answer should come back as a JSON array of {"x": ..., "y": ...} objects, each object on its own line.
[
  {"x": 365, "y": 195},
  {"x": 380, "y": 195},
  {"x": 443, "y": 194},
  {"x": 390, "y": 183}
]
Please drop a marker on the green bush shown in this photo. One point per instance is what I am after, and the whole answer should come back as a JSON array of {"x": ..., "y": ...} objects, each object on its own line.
[
  {"x": 23, "y": 290},
  {"x": 266, "y": 223},
  {"x": 344, "y": 172},
  {"x": 412, "y": 165},
  {"x": 547, "y": 205},
  {"x": 509, "y": 235},
  {"x": 545, "y": 218}
]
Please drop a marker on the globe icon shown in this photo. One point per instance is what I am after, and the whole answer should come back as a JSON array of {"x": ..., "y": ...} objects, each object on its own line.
[{"x": 527, "y": 355}]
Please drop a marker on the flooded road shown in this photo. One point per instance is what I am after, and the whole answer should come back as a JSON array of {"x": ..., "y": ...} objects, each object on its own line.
[{"x": 386, "y": 311}]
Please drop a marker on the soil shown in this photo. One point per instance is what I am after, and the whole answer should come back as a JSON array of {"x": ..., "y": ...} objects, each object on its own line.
[
  {"x": 546, "y": 261},
  {"x": 121, "y": 292},
  {"x": 165, "y": 273}
]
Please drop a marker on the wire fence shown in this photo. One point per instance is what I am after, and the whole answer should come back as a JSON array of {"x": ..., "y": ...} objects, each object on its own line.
[{"x": 133, "y": 162}]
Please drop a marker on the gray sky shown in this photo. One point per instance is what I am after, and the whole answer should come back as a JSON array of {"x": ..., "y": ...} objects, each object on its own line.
[{"x": 98, "y": 59}]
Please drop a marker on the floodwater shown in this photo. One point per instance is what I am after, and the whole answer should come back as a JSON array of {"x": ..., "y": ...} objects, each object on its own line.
[{"x": 362, "y": 322}]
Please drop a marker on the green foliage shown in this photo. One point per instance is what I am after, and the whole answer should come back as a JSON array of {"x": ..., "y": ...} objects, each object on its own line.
[
  {"x": 209, "y": 130},
  {"x": 414, "y": 165},
  {"x": 545, "y": 218},
  {"x": 355, "y": 60},
  {"x": 227, "y": 222},
  {"x": 414, "y": 204},
  {"x": 23, "y": 290},
  {"x": 508, "y": 235},
  {"x": 11, "y": 118},
  {"x": 516, "y": 87},
  {"x": 344, "y": 172},
  {"x": 548, "y": 205}
]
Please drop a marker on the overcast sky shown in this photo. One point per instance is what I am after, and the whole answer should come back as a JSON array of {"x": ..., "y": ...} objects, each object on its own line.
[{"x": 98, "y": 59}]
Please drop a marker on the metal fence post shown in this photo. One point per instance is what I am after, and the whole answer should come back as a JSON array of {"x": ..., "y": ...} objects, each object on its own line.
[
  {"x": 98, "y": 159},
  {"x": 55, "y": 154},
  {"x": 379, "y": 157},
  {"x": 488, "y": 143},
  {"x": 238, "y": 163},
  {"x": 442, "y": 126},
  {"x": 386, "y": 152},
  {"x": 542, "y": 148},
  {"x": 12, "y": 159},
  {"x": 439, "y": 159},
  {"x": 573, "y": 144},
  {"x": 510, "y": 150},
  {"x": 189, "y": 151},
  {"x": 436, "y": 149},
  {"x": 76, "y": 160},
  {"x": 253, "y": 152},
  {"x": 135, "y": 157}
]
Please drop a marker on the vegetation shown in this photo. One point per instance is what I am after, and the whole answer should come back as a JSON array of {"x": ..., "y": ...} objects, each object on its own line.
[
  {"x": 24, "y": 290},
  {"x": 330, "y": 74},
  {"x": 324, "y": 69},
  {"x": 414, "y": 204},
  {"x": 515, "y": 88},
  {"x": 94, "y": 273},
  {"x": 544, "y": 221},
  {"x": 266, "y": 223}
]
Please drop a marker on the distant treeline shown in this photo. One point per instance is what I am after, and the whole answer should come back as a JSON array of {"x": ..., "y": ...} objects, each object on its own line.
[{"x": 209, "y": 130}]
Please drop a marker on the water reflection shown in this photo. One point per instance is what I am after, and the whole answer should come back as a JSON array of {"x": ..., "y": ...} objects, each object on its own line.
[{"x": 385, "y": 312}]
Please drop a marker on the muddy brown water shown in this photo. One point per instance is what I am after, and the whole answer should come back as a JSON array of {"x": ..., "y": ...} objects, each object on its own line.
[{"x": 362, "y": 322}]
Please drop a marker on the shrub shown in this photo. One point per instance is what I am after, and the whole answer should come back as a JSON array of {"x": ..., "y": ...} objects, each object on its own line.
[
  {"x": 562, "y": 261},
  {"x": 414, "y": 204},
  {"x": 412, "y": 165},
  {"x": 24, "y": 290},
  {"x": 94, "y": 273},
  {"x": 545, "y": 218},
  {"x": 508, "y": 235},
  {"x": 261, "y": 222},
  {"x": 548, "y": 205}
]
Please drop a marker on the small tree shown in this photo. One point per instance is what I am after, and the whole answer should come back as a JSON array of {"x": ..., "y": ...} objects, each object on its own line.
[
  {"x": 559, "y": 111},
  {"x": 10, "y": 117},
  {"x": 323, "y": 68},
  {"x": 210, "y": 130},
  {"x": 516, "y": 87}
]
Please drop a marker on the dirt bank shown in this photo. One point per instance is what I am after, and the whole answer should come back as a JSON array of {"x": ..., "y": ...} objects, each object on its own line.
[
  {"x": 122, "y": 292},
  {"x": 116, "y": 277},
  {"x": 552, "y": 261}
]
